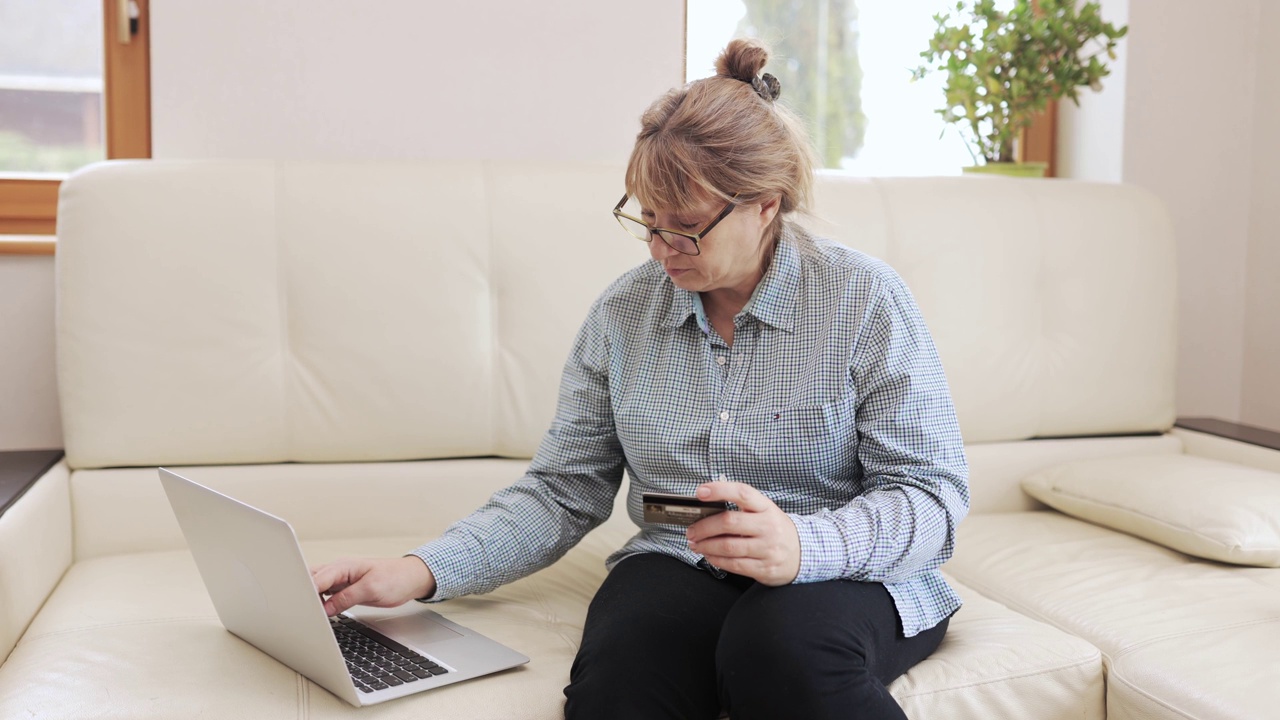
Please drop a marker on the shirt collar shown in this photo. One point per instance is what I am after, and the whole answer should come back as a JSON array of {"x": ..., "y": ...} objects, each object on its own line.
[
  {"x": 774, "y": 300},
  {"x": 682, "y": 305}
]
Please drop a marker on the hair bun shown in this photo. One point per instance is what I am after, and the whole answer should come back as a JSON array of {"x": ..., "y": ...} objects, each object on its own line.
[{"x": 742, "y": 59}]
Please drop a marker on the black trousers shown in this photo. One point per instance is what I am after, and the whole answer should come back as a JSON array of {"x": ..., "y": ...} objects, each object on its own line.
[{"x": 666, "y": 640}]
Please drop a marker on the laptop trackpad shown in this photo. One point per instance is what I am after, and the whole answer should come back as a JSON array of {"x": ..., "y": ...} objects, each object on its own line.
[{"x": 417, "y": 630}]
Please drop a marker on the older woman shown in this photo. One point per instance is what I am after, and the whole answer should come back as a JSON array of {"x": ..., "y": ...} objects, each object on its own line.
[{"x": 752, "y": 363}]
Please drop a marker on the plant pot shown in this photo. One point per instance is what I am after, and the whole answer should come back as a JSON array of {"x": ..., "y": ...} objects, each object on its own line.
[{"x": 1028, "y": 169}]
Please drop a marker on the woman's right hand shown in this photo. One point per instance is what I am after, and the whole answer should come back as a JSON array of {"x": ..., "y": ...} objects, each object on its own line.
[{"x": 379, "y": 582}]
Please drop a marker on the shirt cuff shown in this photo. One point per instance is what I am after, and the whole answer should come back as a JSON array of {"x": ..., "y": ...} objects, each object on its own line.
[
  {"x": 447, "y": 559},
  {"x": 822, "y": 550}
]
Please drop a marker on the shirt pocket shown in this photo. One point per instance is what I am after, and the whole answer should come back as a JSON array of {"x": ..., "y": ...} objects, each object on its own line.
[{"x": 803, "y": 443}]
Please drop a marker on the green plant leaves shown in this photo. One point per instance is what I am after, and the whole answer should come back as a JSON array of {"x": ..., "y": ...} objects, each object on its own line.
[{"x": 1002, "y": 68}]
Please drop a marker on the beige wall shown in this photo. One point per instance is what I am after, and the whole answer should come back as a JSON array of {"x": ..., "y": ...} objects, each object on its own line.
[
  {"x": 1185, "y": 115},
  {"x": 332, "y": 79},
  {"x": 1260, "y": 402},
  {"x": 1188, "y": 136},
  {"x": 29, "y": 418}
]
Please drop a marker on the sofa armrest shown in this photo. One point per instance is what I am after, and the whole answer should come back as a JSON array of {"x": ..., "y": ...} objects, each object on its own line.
[
  {"x": 1230, "y": 442},
  {"x": 35, "y": 551}
]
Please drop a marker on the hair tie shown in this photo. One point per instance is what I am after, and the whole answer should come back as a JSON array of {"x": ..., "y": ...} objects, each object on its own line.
[{"x": 767, "y": 87}]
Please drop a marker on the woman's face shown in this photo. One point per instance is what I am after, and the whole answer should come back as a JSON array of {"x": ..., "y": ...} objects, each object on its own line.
[{"x": 733, "y": 254}]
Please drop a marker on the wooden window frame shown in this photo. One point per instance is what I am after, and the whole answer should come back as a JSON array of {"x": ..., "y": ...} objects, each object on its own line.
[
  {"x": 29, "y": 207},
  {"x": 1040, "y": 141}
]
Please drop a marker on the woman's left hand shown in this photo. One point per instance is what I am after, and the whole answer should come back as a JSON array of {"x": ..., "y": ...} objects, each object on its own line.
[{"x": 758, "y": 540}]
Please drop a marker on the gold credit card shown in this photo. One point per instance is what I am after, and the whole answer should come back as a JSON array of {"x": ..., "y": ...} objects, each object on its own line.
[{"x": 665, "y": 509}]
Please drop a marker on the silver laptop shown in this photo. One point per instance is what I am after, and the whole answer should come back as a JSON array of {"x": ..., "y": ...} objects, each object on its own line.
[{"x": 262, "y": 589}]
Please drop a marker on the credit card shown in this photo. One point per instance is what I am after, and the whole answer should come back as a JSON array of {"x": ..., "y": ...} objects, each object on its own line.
[{"x": 665, "y": 509}]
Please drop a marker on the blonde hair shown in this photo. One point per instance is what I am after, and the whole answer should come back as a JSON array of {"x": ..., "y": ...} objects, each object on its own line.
[{"x": 721, "y": 136}]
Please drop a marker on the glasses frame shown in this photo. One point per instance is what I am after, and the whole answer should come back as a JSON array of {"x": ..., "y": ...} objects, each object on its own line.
[{"x": 695, "y": 238}]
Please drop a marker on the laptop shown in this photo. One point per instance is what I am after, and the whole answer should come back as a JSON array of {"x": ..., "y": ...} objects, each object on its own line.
[{"x": 262, "y": 590}]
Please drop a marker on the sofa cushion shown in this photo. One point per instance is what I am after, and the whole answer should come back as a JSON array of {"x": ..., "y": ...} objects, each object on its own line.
[
  {"x": 1207, "y": 508},
  {"x": 124, "y": 510},
  {"x": 135, "y": 636},
  {"x": 1151, "y": 610},
  {"x": 1199, "y": 676},
  {"x": 995, "y": 663},
  {"x": 1001, "y": 466},
  {"x": 261, "y": 311}
]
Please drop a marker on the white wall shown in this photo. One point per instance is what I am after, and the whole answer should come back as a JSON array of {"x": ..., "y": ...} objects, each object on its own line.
[
  {"x": 1260, "y": 403},
  {"x": 29, "y": 418},
  {"x": 332, "y": 79},
  {"x": 1187, "y": 118},
  {"x": 1188, "y": 136}
]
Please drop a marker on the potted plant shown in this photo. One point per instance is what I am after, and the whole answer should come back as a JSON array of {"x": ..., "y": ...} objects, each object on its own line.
[{"x": 1002, "y": 68}]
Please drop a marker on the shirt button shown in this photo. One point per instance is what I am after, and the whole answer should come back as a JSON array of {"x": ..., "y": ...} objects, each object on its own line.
[
  {"x": 720, "y": 359},
  {"x": 724, "y": 416},
  {"x": 723, "y": 478}
]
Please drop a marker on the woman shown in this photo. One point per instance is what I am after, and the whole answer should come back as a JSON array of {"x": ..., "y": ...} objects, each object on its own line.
[{"x": 752, "y": 363}]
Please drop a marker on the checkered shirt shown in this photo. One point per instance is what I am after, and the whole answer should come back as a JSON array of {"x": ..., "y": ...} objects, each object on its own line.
[{"x": 831, "y": 401}]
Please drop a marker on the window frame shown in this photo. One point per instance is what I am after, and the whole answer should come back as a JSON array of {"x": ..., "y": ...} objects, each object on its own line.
[
  {"x": 1039, "y": 143},
  {"x": 29, "y": 207}
]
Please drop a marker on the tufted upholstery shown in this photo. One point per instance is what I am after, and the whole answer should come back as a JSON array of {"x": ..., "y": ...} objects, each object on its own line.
[{"x": 351, "y": 312}]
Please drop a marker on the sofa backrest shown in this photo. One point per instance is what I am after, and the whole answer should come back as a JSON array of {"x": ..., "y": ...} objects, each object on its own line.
[{"x": 217, "y": 312}]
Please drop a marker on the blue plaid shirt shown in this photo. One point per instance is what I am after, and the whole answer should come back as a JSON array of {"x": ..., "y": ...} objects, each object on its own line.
[{"x": 831, "y": 401}]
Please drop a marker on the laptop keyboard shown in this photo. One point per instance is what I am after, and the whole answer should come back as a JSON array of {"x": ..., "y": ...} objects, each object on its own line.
[{"x": 375, "y": 661}]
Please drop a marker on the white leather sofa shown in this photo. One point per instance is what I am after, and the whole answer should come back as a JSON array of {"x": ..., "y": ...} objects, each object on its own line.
[{"x": 369, "y": 350}]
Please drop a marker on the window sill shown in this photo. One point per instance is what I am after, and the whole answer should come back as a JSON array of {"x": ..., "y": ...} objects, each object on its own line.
[
  {"x": 20, "y": 469},
  {"x": 27, "y": 245},
  {"x": 1232, "y": 431}
]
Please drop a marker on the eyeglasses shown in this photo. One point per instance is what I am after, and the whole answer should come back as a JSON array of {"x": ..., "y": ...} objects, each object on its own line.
[{"x": 681, "y": 242}]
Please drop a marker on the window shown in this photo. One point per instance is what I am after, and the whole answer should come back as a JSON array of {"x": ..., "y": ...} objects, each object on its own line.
[
  {"x": 845, "y": 68},
  {"x": 74, "y": 88}
]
